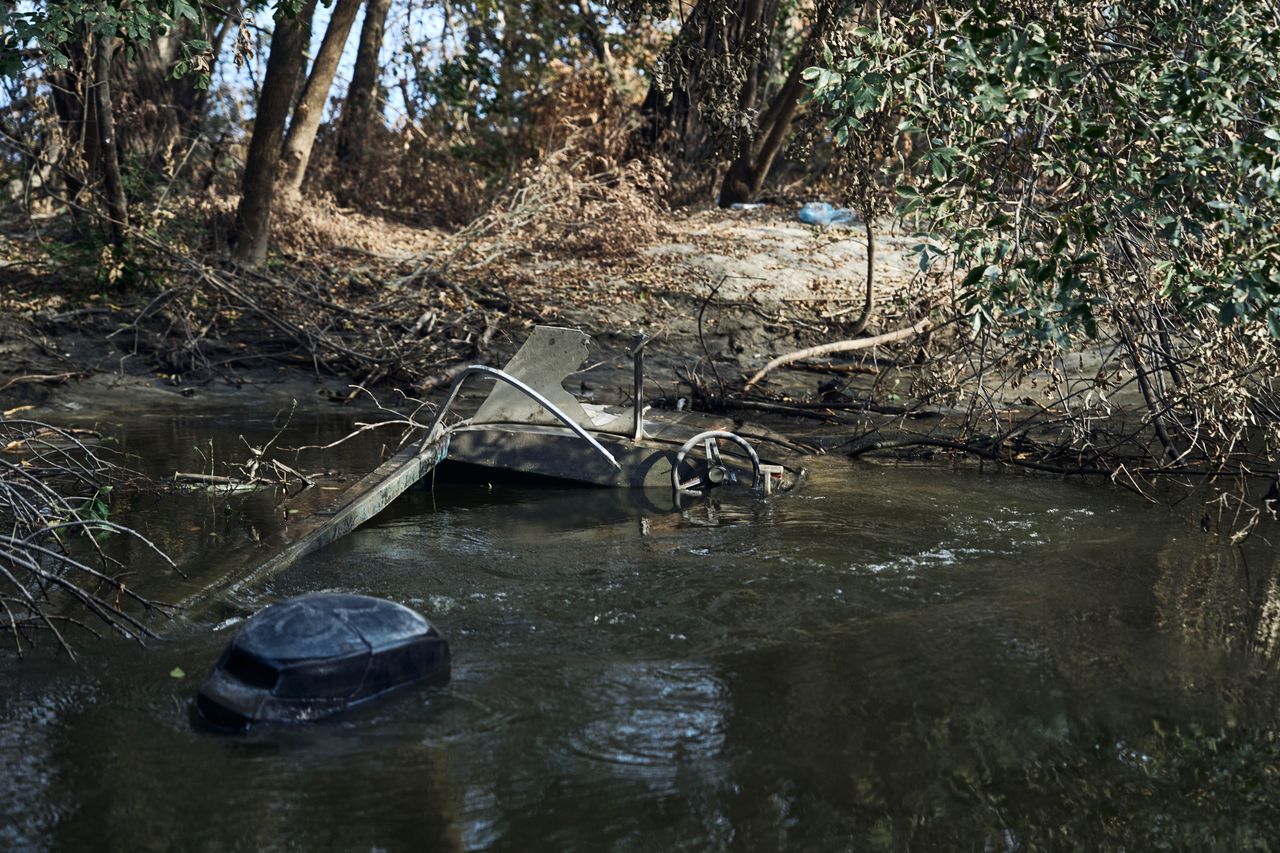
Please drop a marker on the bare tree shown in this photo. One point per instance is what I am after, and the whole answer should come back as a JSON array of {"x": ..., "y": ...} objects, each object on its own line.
[
  {"x": 54, "y": 574},
  {"x": 109, "y": 156},
  {"x": 359, "y": 111},
  {"x": 710, "y": 78},
  {"x": 253, "y": 218},
  {"x": 82, "y": 99},
  {"x": 306, "y": 118},
  {"x": 746, "y": 174},
  {"x": 156, "y": 108},
  {"x": 594, "y": 36}
]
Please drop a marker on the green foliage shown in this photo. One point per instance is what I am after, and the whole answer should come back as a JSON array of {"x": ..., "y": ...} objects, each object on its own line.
[
  {"x": 51, "y": 28},
  {"x": 97, "y": 507},
  {"x": 1069, "y": 156}
]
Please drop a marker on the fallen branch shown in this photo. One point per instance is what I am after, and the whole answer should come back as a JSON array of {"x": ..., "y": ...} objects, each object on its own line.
[
  {"x": 809, "y": 409},
  {"x": 50, "y": 378},
  {"x": 988, "y": 450},
  {"x": 838, "y": 369},
  {"x": 50, "y": 559},
  {"x": 838, "y": 346},
  {"x": 209, "y": 479}
]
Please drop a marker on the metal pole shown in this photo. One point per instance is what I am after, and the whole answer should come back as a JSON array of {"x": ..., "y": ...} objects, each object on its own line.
[
  {"x": 522, "y": 387},
  {"x": 637, "y": 392}
]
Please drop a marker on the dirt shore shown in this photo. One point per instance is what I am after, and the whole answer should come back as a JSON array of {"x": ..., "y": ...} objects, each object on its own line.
[{"x": 719, "y": 293}]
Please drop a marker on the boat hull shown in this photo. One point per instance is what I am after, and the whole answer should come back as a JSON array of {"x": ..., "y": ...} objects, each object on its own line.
[{"x": 557, "y": 453}]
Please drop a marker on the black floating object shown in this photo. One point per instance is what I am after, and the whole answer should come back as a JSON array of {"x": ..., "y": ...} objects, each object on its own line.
[{"x": 316, "y": 655}]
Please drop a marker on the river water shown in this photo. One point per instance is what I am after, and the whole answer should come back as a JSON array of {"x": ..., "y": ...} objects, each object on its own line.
[{"x": 888, "y": 657}]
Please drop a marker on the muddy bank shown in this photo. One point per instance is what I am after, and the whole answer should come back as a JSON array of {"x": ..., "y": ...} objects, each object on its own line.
[{"x": 718, "y": 291}]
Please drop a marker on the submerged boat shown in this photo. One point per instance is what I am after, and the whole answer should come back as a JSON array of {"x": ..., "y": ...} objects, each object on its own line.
[{"x": 529, "y": 425}]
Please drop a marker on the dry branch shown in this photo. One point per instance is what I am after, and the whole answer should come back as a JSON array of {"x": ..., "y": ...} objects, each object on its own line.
[
  {"x": 50, "y": 563},
  {"x": 838, "y": 346}
]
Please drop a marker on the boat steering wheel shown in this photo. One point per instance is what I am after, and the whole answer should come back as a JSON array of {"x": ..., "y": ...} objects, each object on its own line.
[{"x": 713, "y": 471}]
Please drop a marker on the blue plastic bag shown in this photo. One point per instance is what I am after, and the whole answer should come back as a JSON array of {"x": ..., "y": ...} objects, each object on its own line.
[{"x": 823, "y": 213}]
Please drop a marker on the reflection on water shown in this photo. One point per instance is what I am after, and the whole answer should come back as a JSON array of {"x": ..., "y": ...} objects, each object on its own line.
[
  {"x": 653, "y": 717},
  {"x": 887, "y": 658}
]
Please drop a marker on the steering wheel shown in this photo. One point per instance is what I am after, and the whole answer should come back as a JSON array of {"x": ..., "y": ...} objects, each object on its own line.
[{"x": 713, "y": 470}]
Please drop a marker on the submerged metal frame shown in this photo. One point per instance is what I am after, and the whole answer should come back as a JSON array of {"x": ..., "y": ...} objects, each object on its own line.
[
  {"x": 525, "y": 389},
  {"x": 710, "y": 450},
  {"x": 637, "y": 392}
]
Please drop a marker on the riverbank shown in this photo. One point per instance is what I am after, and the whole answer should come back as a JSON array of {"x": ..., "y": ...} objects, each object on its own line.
[{"x": 715, "y": 291}]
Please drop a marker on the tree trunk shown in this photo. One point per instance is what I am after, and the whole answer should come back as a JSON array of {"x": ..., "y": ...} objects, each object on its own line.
[
  {"x": 153, "y": 108},
  {"x": 69, "y": 91},
  {"x": 306, "y": 119},
  {"x": 593, "y": 35},
  {"x": 72, "y": 93},
  {"x": 108, "y": 155},
  {"x": 510, "y": 80},
  {"x": 745, "y": 177},
  {"x": 253, "y": 218},
  {"x": 359, "y": 109},
  {"x": 716, "y": 33}
]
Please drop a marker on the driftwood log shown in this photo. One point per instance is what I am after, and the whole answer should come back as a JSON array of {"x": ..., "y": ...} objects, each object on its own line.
[{"x": 835, "y": 347}]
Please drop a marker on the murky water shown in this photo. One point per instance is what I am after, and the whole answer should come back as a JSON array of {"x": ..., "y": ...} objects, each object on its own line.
[{"x": 891, "y": 657}]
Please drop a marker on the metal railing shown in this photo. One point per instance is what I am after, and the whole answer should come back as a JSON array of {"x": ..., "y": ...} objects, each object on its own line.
[{"x": 493, "y": 372}]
